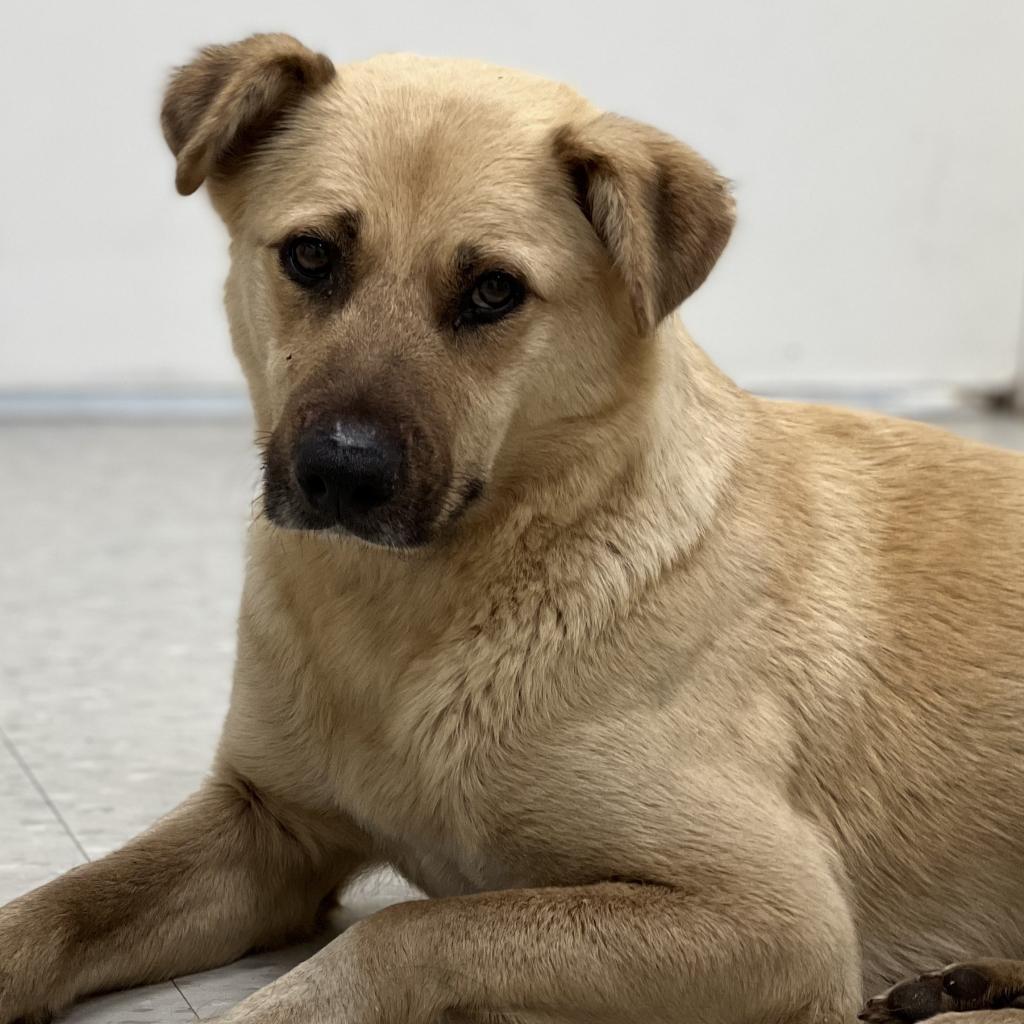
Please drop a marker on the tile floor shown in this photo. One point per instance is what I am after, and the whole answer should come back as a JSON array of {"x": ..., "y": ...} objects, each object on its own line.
[{"x": 119, "y": 580}]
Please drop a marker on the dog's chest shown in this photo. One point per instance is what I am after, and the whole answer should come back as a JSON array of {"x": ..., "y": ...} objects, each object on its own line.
[
  {"x": 435, "y": 771},
  {"x": 428, "y": 745},
  {"x": 448, "y": 735}
]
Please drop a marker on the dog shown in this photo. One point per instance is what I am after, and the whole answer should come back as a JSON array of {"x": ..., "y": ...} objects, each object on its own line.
[{"x": 679, "y": 703}]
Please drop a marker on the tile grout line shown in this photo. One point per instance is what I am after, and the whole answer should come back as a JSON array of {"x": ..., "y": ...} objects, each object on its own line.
[
  {"x": 177, "y": 988},
  {"x": 37, "y": 785},
  {"x": 31, "y": 776}
]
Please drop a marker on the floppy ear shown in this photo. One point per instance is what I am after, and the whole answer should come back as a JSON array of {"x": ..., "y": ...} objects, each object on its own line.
[
  {"x": 229, "y": 98},
  {"x": 661, "y": 211}
]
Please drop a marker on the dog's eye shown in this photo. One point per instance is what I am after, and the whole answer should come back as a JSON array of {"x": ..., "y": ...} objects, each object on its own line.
[
  {"x": 492, "y": 296},
  {"x": 494, "y": 291},
  {"x": 307, "y": 259}
]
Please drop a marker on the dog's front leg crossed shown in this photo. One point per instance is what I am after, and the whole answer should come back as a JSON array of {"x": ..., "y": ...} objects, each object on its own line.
[
  {"x": 226, "y": 871},
  {"x": 616, "y": 951}
]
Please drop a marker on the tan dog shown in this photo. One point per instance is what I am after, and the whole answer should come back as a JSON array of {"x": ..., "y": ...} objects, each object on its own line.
[{"x": 686, "y": 706}]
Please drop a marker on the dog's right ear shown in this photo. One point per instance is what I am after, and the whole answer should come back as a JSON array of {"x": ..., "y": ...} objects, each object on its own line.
[{"x": 229, "y": 98}]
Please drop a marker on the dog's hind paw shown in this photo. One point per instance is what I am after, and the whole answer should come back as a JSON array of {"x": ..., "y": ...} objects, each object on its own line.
[{"x": 978, "y": 985}]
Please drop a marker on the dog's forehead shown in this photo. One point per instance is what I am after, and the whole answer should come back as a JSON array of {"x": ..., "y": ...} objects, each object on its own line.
[
  {"x": 437, "y": 94},
  {"x": 421, "y": 143}
]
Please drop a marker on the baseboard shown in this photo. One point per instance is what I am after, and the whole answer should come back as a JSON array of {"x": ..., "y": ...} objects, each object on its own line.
[{"x": 922, "y": 401}]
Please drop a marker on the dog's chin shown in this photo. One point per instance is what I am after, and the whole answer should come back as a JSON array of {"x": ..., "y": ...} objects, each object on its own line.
[
  {"x": 397, "y": 529},
  {"x": 383, "y": 534}
]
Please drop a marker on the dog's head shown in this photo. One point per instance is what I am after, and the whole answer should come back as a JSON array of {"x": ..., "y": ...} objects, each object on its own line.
[{"x": 438, "y": 269}]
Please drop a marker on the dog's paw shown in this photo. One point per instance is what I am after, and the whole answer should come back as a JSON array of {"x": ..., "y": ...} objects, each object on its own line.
[{"x": 979, "y": 985}]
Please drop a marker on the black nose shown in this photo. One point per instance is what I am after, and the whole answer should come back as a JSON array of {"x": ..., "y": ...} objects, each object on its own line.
[{"x": 347, "y": 470}]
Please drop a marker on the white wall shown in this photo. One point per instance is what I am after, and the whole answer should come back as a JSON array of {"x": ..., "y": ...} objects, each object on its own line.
[{"x": 877, "y": 148}]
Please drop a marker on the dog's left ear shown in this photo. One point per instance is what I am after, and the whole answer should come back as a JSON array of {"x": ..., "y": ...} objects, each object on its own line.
[
  {"x": 219, "y": 107},
  {"x": 661, "y": 211}
]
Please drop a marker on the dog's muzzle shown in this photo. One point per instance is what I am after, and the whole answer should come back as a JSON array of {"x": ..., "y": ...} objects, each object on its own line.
[{"x": 380, "y": 480}]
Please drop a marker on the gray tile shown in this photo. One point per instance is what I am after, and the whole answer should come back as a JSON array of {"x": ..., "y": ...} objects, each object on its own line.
[
  {"x": 155, "y": 1004},
  {"x": 370, "y": 893},
  {"x": 122, "y": 601},
  {"x": 214, "y": 992},
  {"x": 34, "y": 847}
]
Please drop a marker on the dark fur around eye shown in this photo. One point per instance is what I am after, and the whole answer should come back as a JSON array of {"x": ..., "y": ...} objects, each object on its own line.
[{"x": 323, "y": 259}]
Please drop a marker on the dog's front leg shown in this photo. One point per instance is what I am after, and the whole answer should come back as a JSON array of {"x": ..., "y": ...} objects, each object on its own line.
[
  {"x": 616, "y": 952},
  {"x": 223, "y": 873}
]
